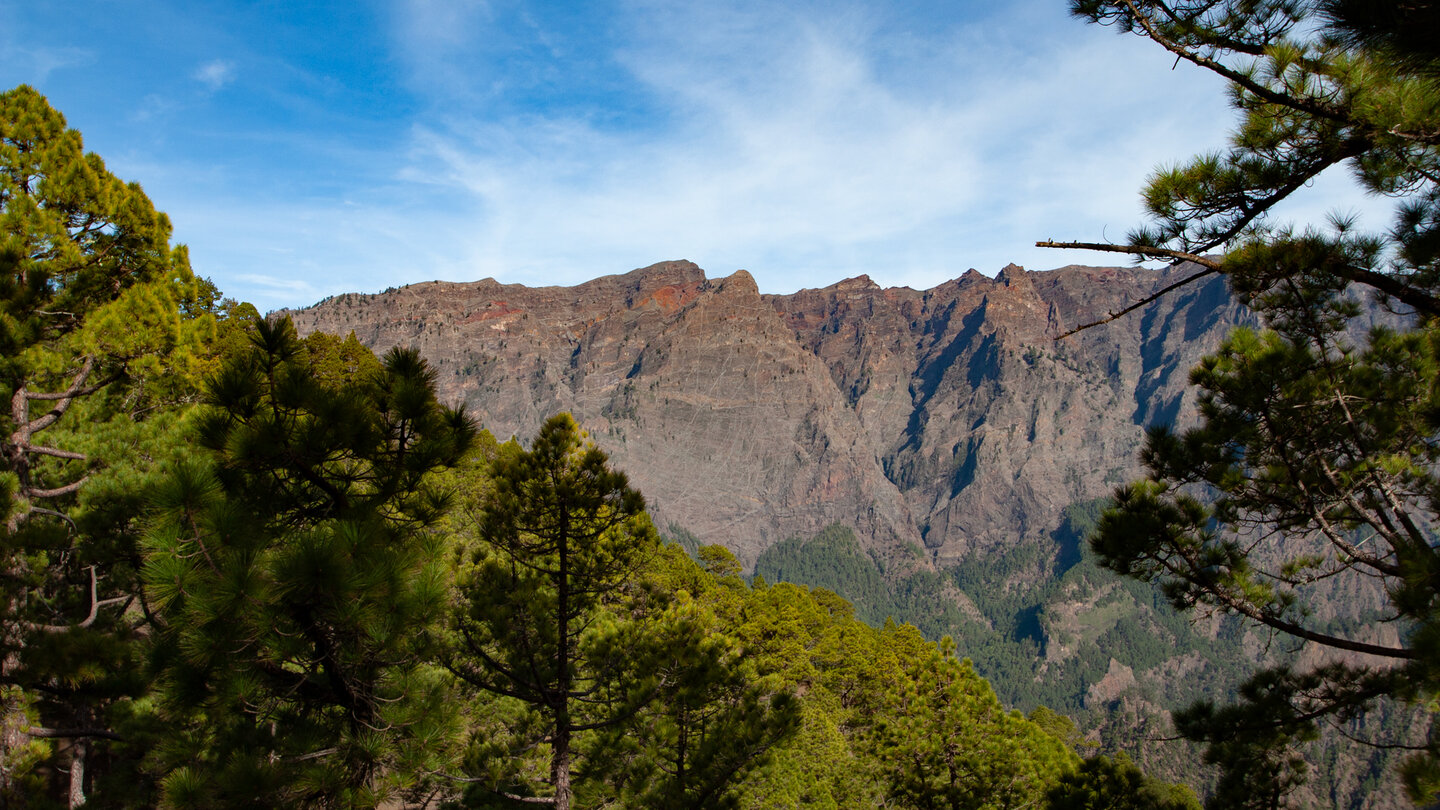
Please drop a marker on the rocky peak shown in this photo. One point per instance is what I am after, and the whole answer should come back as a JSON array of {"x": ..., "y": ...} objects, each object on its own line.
[
  {"x": 859, "y": 284},
  {"x": 946, "y": 420},
  {"x": 1010, "y": 273},
  {"x": 740, "y": 283}
]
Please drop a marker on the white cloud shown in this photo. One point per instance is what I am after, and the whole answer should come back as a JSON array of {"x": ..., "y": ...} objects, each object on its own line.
[
  {"x": 795, "y": 150},
  {"x": 802, "y": 147},
  {"x": 215, "y": 74},
  {"x": 432, "y": 38}
]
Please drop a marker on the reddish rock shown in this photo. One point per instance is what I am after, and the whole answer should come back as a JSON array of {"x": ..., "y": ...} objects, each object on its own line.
[{"x": 947, "y": 419}]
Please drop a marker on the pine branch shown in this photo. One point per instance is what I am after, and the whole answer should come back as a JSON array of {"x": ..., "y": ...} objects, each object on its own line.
[
  {"x": 1306, "y": 105},
  {"x": 1137, "y": 250},
  {"x": 42, "y": 450},
  {"x": 1416, "y": 298},
  {"x": 1211, "y": 268},
  {"x": 321, "y": 754},
  {"x": 95, "y": 604},
  {"x": 1246, "y": 608},
  {"x": 68, "y": 489}
]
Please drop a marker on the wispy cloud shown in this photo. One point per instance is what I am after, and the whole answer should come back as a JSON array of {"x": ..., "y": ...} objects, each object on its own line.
[
  {"x": 544, "y": 143},
  {"x": 433, "y": 38},
  {"x": 153, "y": 106},
  {"x": 278, "y": 285},
  {"x": 797, "y": 150},
  {"x": 34, "y": 63},
  {"x": 215, "y": 74}
]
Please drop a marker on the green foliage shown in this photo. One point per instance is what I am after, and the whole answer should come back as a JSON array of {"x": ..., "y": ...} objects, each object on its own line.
[
  {"x": 93, "y": 299},
  {"x": 711, "y": 717},
  {"x": 105, "y": 335},
  {"x": 296, "y": 582},
  {"x": 718, "y": 561},
  {"x": 1102, "y": 783},
  {"x": 558, "y": 539},
  {"x": 334, "y": 362},
  {"x": 1311, "y": 479},
  {"x": 945, "y": 742},
  {"x": 604, "y": 679},
  {"x": 834, "y": 560},
  {"x": 684, "y": 537}
]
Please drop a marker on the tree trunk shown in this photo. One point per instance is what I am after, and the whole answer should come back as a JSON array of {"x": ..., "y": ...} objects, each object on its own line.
[
  {"x": 78, "y": 751},
  {"x": 13, "y": 723},
  {"x": 560, "y": 760},
  {"x": 560, "y": 768}
]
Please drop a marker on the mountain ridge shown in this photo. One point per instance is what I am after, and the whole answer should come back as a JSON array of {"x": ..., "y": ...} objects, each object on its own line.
[{"x": 947, "y": 419}]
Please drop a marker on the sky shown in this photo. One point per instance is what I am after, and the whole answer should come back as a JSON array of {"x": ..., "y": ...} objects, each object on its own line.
[{"x": 308, "y": 149}]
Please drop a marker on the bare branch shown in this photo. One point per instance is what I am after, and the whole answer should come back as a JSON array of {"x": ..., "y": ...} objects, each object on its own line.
[
  {"x": 1211, "y": 268},
  {"x": 1422, "y": 302},
  {"x": 44, "y": 733},
  {"x": 43, "y": 396},
  {"x": 95, "y": 604},
  {"x": 321, "y": 754},
  {"x": 70, "y": 488},
  {"x": 1153, "y": 252},
  {"x": 470, "y": 780},
  {"x": 36, "y": 510},
  {"x": 1418, "y": 299},
  {"x": 42, "y": 450}
]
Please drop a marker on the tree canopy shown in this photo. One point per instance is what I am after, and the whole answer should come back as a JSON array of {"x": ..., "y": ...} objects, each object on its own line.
[
  {"x": 1311, "y": 479},
  {"x": 105, "y": 336},
  {"x": 295, "y": 577}
]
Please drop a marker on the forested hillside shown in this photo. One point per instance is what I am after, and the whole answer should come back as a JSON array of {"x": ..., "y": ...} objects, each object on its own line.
[{"x": 244, "y": 569}]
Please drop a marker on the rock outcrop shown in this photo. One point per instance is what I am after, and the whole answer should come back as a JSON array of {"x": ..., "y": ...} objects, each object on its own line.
[{"x": 948, "y": 420}]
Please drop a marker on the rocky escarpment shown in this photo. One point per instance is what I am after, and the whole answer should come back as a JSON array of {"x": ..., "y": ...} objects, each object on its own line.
[
  {"x": 946, "y": 420},
  {"x": 984, "y": 422}
]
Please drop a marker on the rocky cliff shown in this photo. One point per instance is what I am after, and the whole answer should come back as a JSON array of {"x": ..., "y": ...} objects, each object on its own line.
[{"x": 947, "y": 420}]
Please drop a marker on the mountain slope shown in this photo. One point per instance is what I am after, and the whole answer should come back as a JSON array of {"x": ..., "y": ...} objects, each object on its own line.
[{"x": 947, "y": 420}]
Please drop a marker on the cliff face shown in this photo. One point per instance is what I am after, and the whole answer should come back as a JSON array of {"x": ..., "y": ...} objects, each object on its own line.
[{"x": 947, "y": 420}]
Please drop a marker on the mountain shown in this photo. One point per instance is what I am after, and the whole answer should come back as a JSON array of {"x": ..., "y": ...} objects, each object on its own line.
[
  {"x": 937, "y": 424},
  {"x": 936, "y": 456}
]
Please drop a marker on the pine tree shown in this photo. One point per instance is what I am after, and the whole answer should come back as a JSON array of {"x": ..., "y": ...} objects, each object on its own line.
[
  {"x": 297, "y": 580},
  {"x": 105, "y": 334},
  {"x": 944, "y": 741},
  {"x": 1313, "y": 472},
  {"x": 559, "y": 540},
  {"x": 1102, "y": 783},
  {"x": 711, "y": 718}
]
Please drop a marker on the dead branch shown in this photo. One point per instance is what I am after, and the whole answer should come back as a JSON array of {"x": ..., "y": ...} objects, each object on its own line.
[
  {"x": 1211, "y": 268},
  {"x": 72, "y": 733},
  {"x": 95, "y": 604},
  {"x": 1213, "y": 265}
]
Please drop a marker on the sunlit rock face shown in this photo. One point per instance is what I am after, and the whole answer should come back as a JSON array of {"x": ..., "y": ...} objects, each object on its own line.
[{"x": 948, "y": 420}]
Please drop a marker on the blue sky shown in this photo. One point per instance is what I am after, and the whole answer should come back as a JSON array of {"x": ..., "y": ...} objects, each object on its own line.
[{"x": 308, "y": 149}]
